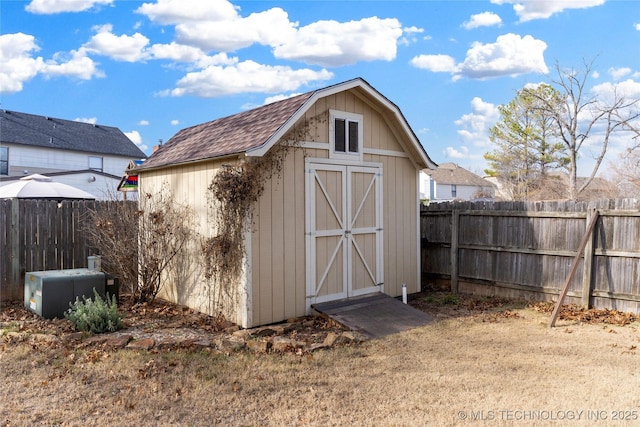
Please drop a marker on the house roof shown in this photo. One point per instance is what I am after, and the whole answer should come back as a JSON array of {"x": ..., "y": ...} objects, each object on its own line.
[
  {"x": 49, "y": 132},
  {"x": 255, "y": 131},
  {"x": 451, "y": 173}
]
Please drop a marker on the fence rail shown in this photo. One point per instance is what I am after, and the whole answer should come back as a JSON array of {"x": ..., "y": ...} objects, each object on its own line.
[
  {"x": 37, "y": 235},
  {"x": 527, "y": 249}
]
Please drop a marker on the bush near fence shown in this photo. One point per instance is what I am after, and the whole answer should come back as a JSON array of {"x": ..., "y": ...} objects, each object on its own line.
[
  {"x": 38, "y": 235},
  {"x": 526, "y": 250}
]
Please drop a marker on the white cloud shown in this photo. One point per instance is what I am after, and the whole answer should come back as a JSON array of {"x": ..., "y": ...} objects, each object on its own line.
[
  {"x": 75, "y": 64},
  {"x": 48, "y": 7},
  {"x": 618, "y": 73},
  {"x": 136, "y": 138},
  {"x": 484, "y": 19},
  {"x": 637, "y": 26},
  {"x": 218, "y": 26},
  {"x": 435, "y": 63},
  {"x": 143, "y": 123},
  {"x": 175, "y": 122},
  {"x": 453, "y": 153},
  {"x": 333, "y": 44},
  {"x": 16, "y": 64},
  {"x": 121, "y": 48},
  {"x": 246, "y": 76},
  {"x": 510, "y": 55},
  {"x": 276, "y": 98},
  {"x": 475, "y": 125},
  {"x": 628, "y": 89},
  {"x": 176, "y": 52},
  {"x": 271, "y": 28},
  {"x": 90, "y": 120},
  {"x": 528, "y": 10},
  {"x": 409, "y": 35},
  {"x": 181, "y": 11}
]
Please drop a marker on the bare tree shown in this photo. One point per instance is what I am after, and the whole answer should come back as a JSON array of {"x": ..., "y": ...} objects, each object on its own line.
[
  {"x": 582, "y": 117},
  {"x": 626, "y": 173}
]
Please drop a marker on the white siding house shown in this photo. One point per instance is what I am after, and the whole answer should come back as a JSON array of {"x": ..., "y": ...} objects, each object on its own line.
[
  {"x": 90, "y": 157},
  {"x": 452, "y": 182}
]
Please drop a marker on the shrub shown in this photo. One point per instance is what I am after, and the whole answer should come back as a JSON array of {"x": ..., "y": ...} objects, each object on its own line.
[
  {"x": 95, "y": 316},
  {"x": 138, "y": 241}
]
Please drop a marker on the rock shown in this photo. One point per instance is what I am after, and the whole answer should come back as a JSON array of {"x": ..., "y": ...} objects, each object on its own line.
[
  {"x": 264, "y": 332},
  {"x": 349, "y": 337},
  {"x": 118, "y": 342},
  {"x": 279, "y": 343},
  {"x": 258, "y": 346},
  {"x": 231, "y": 329},
  {"x": 318, "y": 346},
  {"x": 242, "y": 334},
  {"x": 330, "y": 339},
  {"x": 231, "y": 344},
  {"x": 142, "y": 344}
]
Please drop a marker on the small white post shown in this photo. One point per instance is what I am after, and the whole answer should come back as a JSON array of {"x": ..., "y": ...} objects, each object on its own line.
[{"x": 404, "y": 293}]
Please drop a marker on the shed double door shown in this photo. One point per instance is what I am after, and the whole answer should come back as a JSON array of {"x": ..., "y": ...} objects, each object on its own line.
[{"x": 344, "y": 231}]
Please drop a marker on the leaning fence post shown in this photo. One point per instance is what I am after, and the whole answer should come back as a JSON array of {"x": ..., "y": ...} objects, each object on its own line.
[
  {"x": 574, "y": 267},
  {"x": 455, "y": 223}
]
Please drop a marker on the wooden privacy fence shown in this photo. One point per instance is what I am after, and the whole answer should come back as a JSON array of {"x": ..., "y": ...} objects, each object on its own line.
[
  {"x": 526, "y": 250},
  {"x": 38, "y": 235}
]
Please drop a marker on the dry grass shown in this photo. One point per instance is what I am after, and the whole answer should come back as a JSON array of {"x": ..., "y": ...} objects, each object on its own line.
[{"x": 501, "y": 364}]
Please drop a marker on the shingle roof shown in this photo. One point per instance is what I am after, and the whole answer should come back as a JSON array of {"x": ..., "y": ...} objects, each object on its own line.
[
  {"x": 228, "y": 135},
  {"x": 49, "y": 132},
  {"x": 450, "y": 173},
  {"x": 253, "y": 131}
]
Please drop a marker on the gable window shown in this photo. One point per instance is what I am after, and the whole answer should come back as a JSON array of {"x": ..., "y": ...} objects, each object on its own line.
[
  {"x": 4, "y": 160},
  {"x": 345, "y": 135},
  {"x": 95, "y": 163},
  {"x": 454, "y": 190}
]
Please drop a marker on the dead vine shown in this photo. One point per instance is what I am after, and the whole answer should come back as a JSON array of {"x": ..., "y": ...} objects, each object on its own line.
[{"x": 232, "y": 196}]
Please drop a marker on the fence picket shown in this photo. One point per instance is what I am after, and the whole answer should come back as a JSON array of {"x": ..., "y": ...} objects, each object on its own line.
[{"x": 518, "y": 249}]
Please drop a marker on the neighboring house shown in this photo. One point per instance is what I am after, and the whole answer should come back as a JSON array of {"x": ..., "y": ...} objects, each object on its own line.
[
  {"x": 452, "y": 182},
  {"x": 90, "y": 157},
  {"x": 340, "y": 219}
]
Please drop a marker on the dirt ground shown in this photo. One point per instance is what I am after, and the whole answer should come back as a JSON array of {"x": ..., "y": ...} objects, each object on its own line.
[{"x": 482, "y": 361}]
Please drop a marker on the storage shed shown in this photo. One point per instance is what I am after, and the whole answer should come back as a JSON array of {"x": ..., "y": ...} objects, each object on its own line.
[{"x": 338, "y": 217}]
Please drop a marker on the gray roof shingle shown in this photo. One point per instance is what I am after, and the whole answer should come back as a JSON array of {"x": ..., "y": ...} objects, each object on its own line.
[
  {"x": 228, "y": 135},
  {"x": 451, "y": 173},
  {"x": 49, "y": 132}
]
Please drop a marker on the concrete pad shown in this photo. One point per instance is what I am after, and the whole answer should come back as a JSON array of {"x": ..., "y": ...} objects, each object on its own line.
[{"x": 374, "y": 315}]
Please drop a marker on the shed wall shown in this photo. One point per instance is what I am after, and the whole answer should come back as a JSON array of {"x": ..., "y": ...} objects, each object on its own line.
[
  {"x": 186, "y": 283},
  {"x": 278, "y": 264}
]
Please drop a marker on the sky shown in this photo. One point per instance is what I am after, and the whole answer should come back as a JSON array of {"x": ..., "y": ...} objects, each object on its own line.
[{"x": 153, "y": 68}]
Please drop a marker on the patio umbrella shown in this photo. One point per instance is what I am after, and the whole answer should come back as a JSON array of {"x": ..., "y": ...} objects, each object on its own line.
[{"x": 42, "y": 187}]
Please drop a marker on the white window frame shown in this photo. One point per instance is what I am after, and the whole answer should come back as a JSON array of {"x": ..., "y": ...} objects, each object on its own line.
[
  {"x": 93, "y": 163},
  {"x": 5, "y": 161},
  {"x": 348, "y": 117}
]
